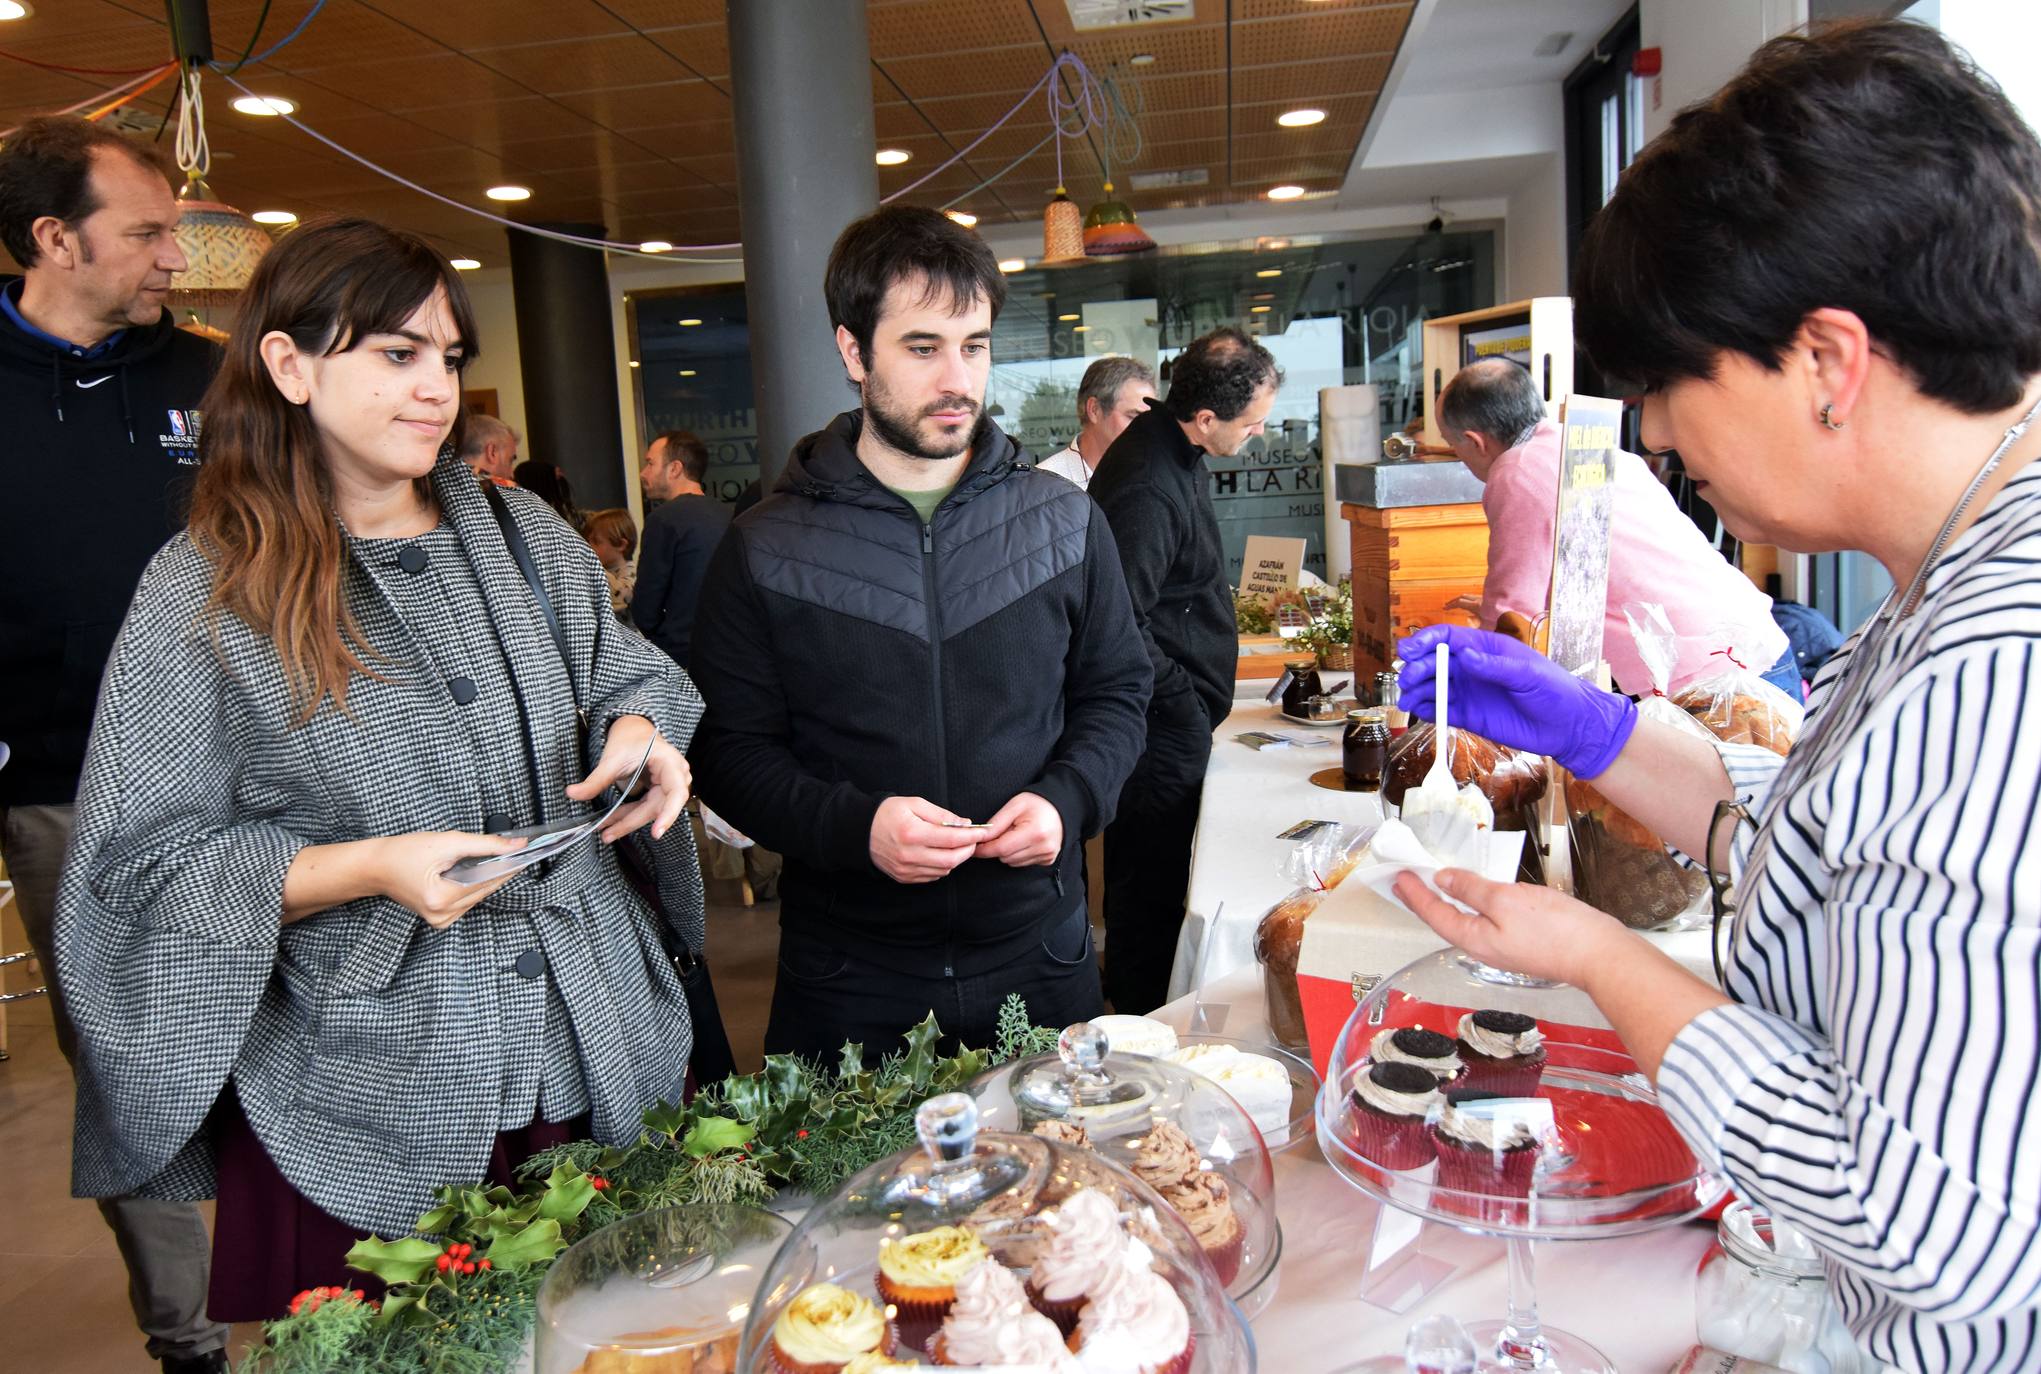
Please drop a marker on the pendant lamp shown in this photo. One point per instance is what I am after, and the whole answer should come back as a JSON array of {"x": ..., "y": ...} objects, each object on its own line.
[
  {"x": 222, "y": 244},
  {"x": 1062, "y": 230},
  {"x": 1110, "y": 228}
]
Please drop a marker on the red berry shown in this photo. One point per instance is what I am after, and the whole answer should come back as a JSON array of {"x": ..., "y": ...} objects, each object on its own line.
[
  {"x": 484, "y": 1264},
  {"x": 356, "y": 1294},
  {"x": 444, "y": 1263},
  {"x": 598, "y": 1183},
  {"x": 297, "y": 1304},
  {"x": 468, "y": 1267},
  {"x": 800, "y": 1135}
]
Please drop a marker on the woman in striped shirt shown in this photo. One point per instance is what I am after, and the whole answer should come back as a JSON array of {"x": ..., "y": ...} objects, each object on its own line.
[{"x": 1827, "y": 282}]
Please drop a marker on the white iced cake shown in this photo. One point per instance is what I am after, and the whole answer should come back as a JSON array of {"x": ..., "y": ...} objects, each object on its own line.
[
  {"x": 1136, "y": 1035},
  {"x": 1258, "y": 1083}
]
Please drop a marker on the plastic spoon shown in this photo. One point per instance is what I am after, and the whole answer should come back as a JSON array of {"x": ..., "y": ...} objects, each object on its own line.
[{"x": 1449, "y": 819}]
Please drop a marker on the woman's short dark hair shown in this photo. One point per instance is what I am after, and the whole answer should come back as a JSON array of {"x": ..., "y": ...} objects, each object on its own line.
[
  {"x": 900, "y": 243},
  {"x": 1866, "y": 167},
  {"x": 46, "y": 169},
  {"x": 1219, "y": 372}
]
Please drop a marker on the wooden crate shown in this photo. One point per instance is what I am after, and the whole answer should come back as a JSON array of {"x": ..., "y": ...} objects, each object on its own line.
[{"x": 1409, "y": 563}]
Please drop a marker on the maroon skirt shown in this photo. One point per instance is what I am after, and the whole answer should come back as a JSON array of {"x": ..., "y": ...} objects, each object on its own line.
[{"x": 270, "y": 1243}]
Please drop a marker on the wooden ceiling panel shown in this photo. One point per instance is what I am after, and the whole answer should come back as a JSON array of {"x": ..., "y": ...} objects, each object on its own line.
[
  {"x": 486, "y": 125},
  {"x": 943, "y": 28},
  {"x": 661, "y": 14},
  {"x": 479, "y": 26},
  {"x": 593, "y": 64},
  {"x": 1178, "y": 49},
  {"x": 1311, "y": 37},
  {"x": 704, "y": 48},
  {"x": 626, "y": 109},
  {"x": 1245, "y": 10},
  {"x": 1010, "y": 69},
  {"x": 1306, "y": 82},
  {"x": 419, "y": 82}
]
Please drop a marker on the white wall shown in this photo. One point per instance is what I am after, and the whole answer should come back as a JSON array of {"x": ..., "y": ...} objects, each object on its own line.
[
  {"x": 2004, "y": 39},
  {"x": 1703, "y": 44},
  {"x": 1534, "y": 241}
]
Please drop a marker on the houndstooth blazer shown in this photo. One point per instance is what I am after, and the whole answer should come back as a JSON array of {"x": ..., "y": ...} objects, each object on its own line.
[{"x": 366, "y": 1048}]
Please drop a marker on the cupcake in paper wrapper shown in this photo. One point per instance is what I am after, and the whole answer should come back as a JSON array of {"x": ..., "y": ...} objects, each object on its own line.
[{"x": 1388, "y": 1109}]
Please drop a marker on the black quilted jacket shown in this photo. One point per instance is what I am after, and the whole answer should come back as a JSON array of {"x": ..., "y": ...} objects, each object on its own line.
[{"x": 847, "y": 654}]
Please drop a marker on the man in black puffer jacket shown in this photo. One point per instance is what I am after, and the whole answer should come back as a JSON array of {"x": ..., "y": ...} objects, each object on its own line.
[{"x": 923, "y": 676}]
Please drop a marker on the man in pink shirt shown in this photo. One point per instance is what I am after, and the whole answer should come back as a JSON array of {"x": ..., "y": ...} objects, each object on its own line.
[{"x": 1492, "y": 416}]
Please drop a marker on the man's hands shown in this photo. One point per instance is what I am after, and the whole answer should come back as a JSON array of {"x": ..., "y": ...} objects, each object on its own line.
[
  {"x": 667, "y": 779},
  {"x": 916, "y": 841},
  {"x": 1025, "y": 833}
]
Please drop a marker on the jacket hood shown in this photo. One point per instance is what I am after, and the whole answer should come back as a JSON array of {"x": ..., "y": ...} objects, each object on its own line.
[
  {"x": 24, "y": 353},
  {"x": 825, "y": 467}
]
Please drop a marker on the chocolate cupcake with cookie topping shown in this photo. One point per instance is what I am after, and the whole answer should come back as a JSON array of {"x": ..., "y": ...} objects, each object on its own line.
[
  {"x": 1504, "y": 1052},
  {"x": 1438, "y": 1054}
]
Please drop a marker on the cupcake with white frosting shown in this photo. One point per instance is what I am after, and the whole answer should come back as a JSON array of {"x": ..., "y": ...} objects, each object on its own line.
[
  {"x": 1135, "y": 1323},
  {"x": 1390, "y": 1104},
  {"x": 1504, "y": 1052},
  {"x": 1429, "y": 1050},
  {"x": 1486, "y": 1145}
]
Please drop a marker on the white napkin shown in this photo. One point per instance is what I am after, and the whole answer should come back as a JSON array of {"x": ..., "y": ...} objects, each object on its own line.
[{"x": 1397, "y": 849}]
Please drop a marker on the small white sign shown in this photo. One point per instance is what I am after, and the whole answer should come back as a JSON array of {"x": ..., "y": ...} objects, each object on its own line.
[{"x": 1270, "y": 564}]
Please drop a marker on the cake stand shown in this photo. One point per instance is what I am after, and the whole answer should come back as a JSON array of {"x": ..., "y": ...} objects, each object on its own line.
[{"x": 1607, "y": 1161}]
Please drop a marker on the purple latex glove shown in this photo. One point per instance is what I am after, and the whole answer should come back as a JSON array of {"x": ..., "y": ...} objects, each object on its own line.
[{"x": 1510, "y": 693}]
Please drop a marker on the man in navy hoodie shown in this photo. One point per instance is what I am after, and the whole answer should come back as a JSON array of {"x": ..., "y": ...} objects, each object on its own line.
[{"x": 101, "y": 395}]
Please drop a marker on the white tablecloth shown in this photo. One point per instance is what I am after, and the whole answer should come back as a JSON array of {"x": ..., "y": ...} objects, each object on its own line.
[
  {"x": 1633, "y": 1298},
  {"x": 1237, "y": 859}
]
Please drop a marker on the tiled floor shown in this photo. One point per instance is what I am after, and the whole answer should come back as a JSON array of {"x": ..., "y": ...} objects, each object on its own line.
[{"x": 63, "y": 1288}]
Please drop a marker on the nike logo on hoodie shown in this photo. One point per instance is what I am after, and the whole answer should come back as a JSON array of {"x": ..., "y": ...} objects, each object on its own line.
[{"x": 84, "y": 385}]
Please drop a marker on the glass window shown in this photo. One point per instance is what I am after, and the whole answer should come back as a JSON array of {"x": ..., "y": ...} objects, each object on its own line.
[{"x": 1333, "y": 312}]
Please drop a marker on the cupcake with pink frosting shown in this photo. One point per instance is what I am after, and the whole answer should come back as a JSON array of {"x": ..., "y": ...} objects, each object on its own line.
[
  {"x": 1084, "y": 1248},
  {"x": 1135, "y": 1323},
  {"x": 991, "y": 1323}
]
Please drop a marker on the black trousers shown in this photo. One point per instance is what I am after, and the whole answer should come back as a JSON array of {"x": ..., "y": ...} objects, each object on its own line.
[
  {"x": 1148, "y": 863},
  {"x": 825, "y": 996}
]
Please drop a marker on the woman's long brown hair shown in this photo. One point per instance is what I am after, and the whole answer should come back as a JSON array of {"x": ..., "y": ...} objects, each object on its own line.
[{"x": 262, "y": 507}]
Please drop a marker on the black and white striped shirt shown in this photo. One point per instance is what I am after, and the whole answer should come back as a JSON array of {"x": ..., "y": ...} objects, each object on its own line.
[{"x": 1877, "y": 1079}]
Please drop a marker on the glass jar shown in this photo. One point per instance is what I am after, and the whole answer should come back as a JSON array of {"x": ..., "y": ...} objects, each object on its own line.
[
  {"x": 1303, "y": 684},
  {"x": 1364, "y": 750},
  {"x": 1389, "y": 692},
  {"x": 1761, "y": 1294}
]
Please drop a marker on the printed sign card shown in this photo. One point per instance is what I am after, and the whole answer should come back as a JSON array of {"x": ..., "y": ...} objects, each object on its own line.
[{"x": 1270, "y": 565}]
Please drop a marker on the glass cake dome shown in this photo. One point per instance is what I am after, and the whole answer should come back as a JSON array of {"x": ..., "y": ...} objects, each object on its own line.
[
  {"x": 1177, "y": 1131},
  {"x": 1500, "y": 1107},
  {"x": 998, "y": 1249}
]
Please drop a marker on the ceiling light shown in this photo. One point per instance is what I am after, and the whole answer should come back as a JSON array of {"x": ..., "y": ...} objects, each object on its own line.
[
  {"x": 1285, "y": 192},
  {"x": 891, "y": 157},
  {"x": 263, "y": 105},
  {"x": 1258, "y": 310},
  {"x": 655, "y": 246},
  {"x": 1079, "y": 328},
  {"x": 1141, "y": 59},
  {"x": 963, "y": 217},
  {"x": 465, "y": 264},
  {"x": 523, "y": 193},
  {"x": 1263, "y": 296},
  {"x": 1300, "y": 119},
  {"x": 1067, "y": 318},
  {"x": 634, "y": 362},
  {"x": 274, "y": 217},
  {"x": 1013, "y": 264},
  {"x": 1270, "y": 272},
  {"x": 689, "y": 323},
  {"x": 687, "y": 372},
  {"x": 1552, "y": 44}
]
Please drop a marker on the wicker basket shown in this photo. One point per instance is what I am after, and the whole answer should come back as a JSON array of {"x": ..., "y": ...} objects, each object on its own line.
[{"x": 1339, "y": 660}]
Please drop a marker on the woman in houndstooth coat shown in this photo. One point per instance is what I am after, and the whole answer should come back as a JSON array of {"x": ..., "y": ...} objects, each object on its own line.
[{"x": 326, "y": 692}]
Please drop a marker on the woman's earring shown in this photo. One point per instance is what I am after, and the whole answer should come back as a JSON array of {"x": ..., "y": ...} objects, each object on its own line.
[{"x": 1832, "y": 424}]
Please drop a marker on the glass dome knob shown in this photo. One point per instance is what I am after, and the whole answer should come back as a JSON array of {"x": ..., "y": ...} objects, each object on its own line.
[
  {"x": 947, "y": 1126},
  {"x": 1082, "y": 1048}
]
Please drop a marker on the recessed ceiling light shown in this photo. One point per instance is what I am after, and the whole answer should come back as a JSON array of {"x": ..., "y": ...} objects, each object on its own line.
[
  {"x": 1067, "y": 318},
  {"x": 689, "y": 323},
  {"x": 264, "y": 105},
  {"x": 655, "y": 246},
  {"x": 509, "y": 193},
  {"x": 13, "y": 9},
  {"x": 687, "y": 372},
  {"x": 1013, "y": 264},
  {"x": 1258, "y": 310},
  {"x": 1270, "y": 272},
  {"x": 1141, "y": 59},
  {"x": 465, "y": 264},
  {"x": 274, "y": 217},
  {"x": 1300, "y": 119},
  {"x": 891, "y": 157},
  {"x": 634, "y": 362},
  {"x": 1079, "y": 328},
  {"x": 1285, "y": 192},
  {"x": 963, "y": 217},
  {"x": 1263, "y": 296}
]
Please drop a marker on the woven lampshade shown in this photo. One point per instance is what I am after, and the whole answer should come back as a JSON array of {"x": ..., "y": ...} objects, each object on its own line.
[
  {"x": 1062, "y": 230},
  {"x": 1110, "y": 229},
  {"x": 223, "y": 246}
]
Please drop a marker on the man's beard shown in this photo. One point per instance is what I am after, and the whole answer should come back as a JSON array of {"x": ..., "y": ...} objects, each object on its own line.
[{"x": 900, "y": 429}]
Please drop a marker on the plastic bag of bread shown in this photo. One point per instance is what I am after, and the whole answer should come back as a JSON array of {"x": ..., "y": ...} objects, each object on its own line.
[
  {"x": 1315, "y": 864},
  {"x": 1512, "y": 781},
  {"x": 1733, "y": 701}
]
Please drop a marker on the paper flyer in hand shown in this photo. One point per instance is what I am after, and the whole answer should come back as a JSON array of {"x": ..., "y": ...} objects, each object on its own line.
[{"x": 547, "y": 839}]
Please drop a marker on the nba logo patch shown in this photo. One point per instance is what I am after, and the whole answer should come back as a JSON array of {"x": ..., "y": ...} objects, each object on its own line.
[{"x": 178, "y": 425}]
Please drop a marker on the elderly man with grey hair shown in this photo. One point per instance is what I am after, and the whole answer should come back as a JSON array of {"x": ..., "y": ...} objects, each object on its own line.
[
  {"x": 1492, "y": 415},
  {"x": 489, "y": 448},
  {"x": 1113, "y": 392}
]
